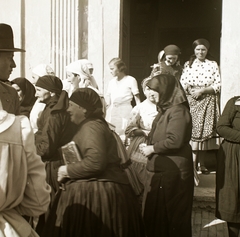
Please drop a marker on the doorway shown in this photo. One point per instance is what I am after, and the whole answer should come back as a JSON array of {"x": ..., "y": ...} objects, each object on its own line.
[{"x": 155, "y": 24}]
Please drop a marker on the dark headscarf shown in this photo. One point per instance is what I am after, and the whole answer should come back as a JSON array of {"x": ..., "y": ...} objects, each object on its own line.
[
  {"x": 201, "y": 42},
  {"x": 50, "y": 83},
  {"x": 170, "y": 91},
  {"x": 172, "y": 50},
  {"x": 28, "y": 91},
  {"x": 90, "y": 100}
]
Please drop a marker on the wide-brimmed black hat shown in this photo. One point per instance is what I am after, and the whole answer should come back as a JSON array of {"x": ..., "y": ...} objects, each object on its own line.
[{"x": 6, "y": 39}]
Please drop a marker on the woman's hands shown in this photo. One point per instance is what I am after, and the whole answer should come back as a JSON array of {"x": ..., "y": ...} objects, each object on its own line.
[
  {"x": 197, "y": 93},
  {"x": 146, "y": 150},
  {"x": 62, "y": 173}
]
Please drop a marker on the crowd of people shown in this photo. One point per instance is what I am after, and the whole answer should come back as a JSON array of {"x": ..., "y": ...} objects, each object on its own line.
[{"x": 46, "y": 191}]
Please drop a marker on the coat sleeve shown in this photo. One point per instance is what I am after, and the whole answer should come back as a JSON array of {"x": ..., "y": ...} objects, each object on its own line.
[
  {"x": 37, "y": 192},
  {"x": 91, "y": 141},
  {"x": 224, "y": 125},
  {"x": 177, "y": 131},
  {"x": 47, "y": 142}
]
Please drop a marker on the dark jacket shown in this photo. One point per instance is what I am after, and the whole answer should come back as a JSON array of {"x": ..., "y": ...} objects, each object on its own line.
[
  {"x": 98, "y": 149},
  {"x": 54, "y": 130},
  {"x": 9, "y": 99}
]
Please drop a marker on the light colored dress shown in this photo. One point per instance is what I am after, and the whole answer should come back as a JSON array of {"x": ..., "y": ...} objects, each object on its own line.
[
  {"x": 23, "y": 187},
  {"x": 120, "y": 93},
  {"x": 141, "y": 117},
  {"x": 205, "y": 111}
]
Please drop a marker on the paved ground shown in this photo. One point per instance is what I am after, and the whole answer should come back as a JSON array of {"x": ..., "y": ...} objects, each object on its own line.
[{"x": 204, "y": 222}]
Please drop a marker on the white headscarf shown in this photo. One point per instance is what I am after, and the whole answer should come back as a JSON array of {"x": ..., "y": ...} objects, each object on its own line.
[
  {"x": 81, "y": 68},
  {"x": 42, "y": 70}
]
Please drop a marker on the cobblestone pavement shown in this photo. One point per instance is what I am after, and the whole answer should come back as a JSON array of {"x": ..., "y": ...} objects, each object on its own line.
[{"x": 205, "y": 224}]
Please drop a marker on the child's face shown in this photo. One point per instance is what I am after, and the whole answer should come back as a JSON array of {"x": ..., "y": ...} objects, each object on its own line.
[
  {"x": 171, "y": 59},
  {"x": 151, "y": 95}
]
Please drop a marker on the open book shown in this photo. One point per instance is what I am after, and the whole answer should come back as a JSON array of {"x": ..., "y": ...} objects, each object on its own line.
[{"x": 70, "y": 153}]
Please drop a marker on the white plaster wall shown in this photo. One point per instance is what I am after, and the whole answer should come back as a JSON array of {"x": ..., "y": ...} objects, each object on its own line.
[
  {"x": 30, "y": 20},
  {"x": 38, "y": 33},
  {"x": 12, "y": 16},
  {"x": 230, "y": 48},
  {"x": 103, "y": 37}
]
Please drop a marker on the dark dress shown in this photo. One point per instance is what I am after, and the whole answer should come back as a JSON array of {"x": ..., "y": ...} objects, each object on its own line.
[
  {"x": 163, "y": 68},
  {"x": 168, "y": 193},
  {"x": 98, "y": 200},
  {"x": 54, "y": 130},
  {"x": 228, "y": 158}
]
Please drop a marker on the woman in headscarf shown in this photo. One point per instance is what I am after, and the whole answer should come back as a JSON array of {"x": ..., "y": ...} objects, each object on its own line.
[
  {"x": 97, "y": 200},
  {"x": 26, "y": 93},
  {"x": 79, "y": 76},
  {"x": 201, "y": 82},
  {"x": 168, "y": 193},
  {"x": 38, "y": 71},
  {"x": 138, "y": 128},
  {"x": 168, "y": 62},
  {"x": 54, "y": 127}
]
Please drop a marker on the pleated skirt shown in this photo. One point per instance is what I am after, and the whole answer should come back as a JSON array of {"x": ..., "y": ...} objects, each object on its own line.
[
  {"x": 95, "y": 208},
  {"x": 138, "y": 160}
]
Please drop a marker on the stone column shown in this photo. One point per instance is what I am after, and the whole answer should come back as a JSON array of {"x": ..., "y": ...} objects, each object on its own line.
[
  {"x": 104, "y": 18},
  {"x": 230, "y": 50}
]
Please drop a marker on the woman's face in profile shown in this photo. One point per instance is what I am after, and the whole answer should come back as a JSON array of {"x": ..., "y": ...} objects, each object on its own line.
[
  {"x": 151, "y": 95},
  {"x": 19, "y": 91},
  {"x": 113, "y": 69},
  {"x": 72, "y": 79},
  {"x": 201, "y": 52}
]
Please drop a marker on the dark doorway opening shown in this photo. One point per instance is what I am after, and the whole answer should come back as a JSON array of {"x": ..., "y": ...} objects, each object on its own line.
[{"x": 157, "y": 23}]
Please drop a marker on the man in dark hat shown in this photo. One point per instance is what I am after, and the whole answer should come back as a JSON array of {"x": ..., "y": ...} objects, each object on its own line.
[{"x": 8, "y": 96}]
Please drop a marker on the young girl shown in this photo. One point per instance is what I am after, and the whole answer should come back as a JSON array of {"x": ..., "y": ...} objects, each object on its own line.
[{"x": 121, "y": 90}]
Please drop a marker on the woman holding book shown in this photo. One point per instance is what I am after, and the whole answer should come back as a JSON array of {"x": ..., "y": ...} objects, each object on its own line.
[
  {"x": 97, "y": 200},
  {"x": 54, "y": 128}
]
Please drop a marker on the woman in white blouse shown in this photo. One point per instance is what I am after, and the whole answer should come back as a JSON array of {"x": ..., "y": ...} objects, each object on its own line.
[
  {"x": 201, "y": 82},
  {"x": 138, "y": 127}
]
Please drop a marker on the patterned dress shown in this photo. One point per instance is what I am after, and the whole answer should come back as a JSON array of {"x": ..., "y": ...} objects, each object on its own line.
[{"x": 204, "y": 111}]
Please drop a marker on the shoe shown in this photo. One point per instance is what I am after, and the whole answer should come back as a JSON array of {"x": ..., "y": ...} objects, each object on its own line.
[{"x": 204, "y": 170}]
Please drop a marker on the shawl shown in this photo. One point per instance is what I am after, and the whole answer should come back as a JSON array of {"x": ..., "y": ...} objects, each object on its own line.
[{"x": 28, "y": 91}]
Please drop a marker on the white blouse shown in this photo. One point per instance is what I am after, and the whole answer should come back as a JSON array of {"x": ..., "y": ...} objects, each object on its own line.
[{"x": 201, "y": 74}]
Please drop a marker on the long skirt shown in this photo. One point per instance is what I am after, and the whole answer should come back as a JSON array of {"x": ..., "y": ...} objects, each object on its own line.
[
  {"x": 228, "y": 182},
  {"x": 167, "y": 204},
  {"x": 205, "y": 114},
  {"x": 95, "y": 208},
  {"x": 138, "y": 160}
]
